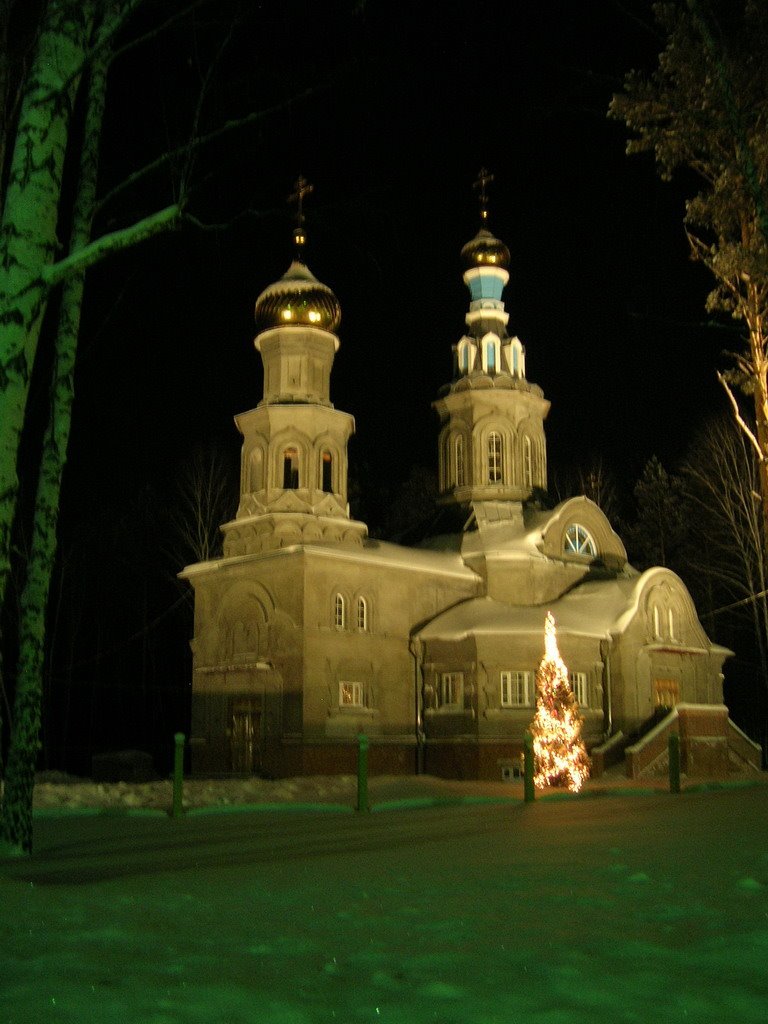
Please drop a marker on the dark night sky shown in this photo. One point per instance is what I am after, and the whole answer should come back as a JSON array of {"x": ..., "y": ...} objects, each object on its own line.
[{"x": 408, "y": 102}]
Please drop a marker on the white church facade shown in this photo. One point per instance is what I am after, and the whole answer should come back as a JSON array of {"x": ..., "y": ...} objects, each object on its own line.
[{"x": 307, "y": 632}]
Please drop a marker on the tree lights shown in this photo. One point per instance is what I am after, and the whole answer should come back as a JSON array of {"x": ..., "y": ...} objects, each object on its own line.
[{"x": 560, "y": 758}]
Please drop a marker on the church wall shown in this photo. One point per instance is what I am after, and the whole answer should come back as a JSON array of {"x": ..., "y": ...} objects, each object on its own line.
[{"x": 483, "y": 736}]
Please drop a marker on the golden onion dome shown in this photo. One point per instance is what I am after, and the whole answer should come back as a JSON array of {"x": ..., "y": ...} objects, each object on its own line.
[
  {"x": 297, "y": 298},
  {"x": 485, "y": 250}
]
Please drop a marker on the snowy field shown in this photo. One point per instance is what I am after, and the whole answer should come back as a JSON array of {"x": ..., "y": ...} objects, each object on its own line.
[{"x": 611, "y": 907}]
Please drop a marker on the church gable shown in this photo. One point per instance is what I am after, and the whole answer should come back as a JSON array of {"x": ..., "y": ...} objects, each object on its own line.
[{"x": 578, "y": 531}]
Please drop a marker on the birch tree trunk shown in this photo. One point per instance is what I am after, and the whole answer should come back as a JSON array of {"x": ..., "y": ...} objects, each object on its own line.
[
  {"x": 28, "y": 240},
  {"x": 16, "y": 809}
]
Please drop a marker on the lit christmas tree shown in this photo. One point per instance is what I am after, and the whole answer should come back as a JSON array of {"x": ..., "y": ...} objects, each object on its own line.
[{"x": 559, "y": 755}]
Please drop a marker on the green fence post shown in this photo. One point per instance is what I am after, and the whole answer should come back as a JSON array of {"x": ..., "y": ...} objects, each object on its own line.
[
  {"x": 178, "y": 775},
  {"x": 362, "y": 772},
  {"x": 674, "y": 763},
  {"x": 529, "y": 790}
]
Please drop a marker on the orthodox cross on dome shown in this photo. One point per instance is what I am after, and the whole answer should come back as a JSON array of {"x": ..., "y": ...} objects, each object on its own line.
[
  {"x": 301, "y": 188},
  {"x": 483, "y": 180}
]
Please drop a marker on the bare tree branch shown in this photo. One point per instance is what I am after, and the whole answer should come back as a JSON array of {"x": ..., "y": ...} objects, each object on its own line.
[{"x": 740, "y": 419}]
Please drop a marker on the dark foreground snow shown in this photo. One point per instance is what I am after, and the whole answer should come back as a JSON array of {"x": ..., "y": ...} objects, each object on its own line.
[{"x": 608, "y": 908}]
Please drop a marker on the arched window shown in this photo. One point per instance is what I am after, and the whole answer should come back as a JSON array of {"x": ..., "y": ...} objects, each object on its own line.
[
  {"x": 362, "y": 615},
  {"x": 495, "y": 458},
  {"x": 464, "y": 356},
  {"x": 339, "y": 612},
  {"x": 671, "y": 623},
  {"x": 490, "y": 350},
  {"x": 527, "y": 462},
  {"x": 579, "y": 542},
  {"x": 326, "y": 471},
  {"x": 459, "y": 457},
  {"x": 290, "y": 469}
]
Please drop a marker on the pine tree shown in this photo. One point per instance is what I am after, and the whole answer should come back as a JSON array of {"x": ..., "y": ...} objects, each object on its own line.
[{"x": 560, "y": 758}]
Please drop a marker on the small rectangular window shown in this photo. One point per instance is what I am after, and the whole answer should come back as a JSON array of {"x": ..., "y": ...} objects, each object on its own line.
[
  {"x": 350, "y": 695},
  {"x": 578, "y": 681},
  {"x": 515, "y": 689},
  {"x": 451, "y": 689}
]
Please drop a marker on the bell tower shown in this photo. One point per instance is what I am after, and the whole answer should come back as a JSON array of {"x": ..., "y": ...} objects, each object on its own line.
[
  {"x": 293, "y": 480},
  {"x": 492, "y": 446}
]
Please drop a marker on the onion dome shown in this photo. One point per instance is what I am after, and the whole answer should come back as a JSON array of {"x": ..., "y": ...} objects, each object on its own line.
[
  {"x": 485, "y": 250},
  {"x": 297, "y": 298}
]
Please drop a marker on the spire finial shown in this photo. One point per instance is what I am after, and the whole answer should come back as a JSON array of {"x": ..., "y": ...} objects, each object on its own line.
[
  {"x": 301, "y": 188},
  {"x": 483, "y": 180}
]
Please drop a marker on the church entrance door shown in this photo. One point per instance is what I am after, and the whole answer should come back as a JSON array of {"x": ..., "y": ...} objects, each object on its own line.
[{"x": 246, "y": 737}]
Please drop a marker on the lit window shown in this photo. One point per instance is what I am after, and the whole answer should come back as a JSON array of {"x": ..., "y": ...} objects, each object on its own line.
[
  {"x": 666, "y": 692},
  {"x": 514, "y": 689},
  {"x": 578, "y": 681},
  {"x": 290, "y": 469},
  {"x": 286, "y": 314},
  {"x": 339, "y": 612},
  {"x": 314, "y": 316},
  {"x": 495, "y": 459},
  {"x": 451, "y": 687},
  {"x": 459, "y": 453},
  {"x": 350, "y": 695},
  {"x": 579, "y": 542},
  {"x": 326, "y": 472},
  {"x": 362, "y": 614}
]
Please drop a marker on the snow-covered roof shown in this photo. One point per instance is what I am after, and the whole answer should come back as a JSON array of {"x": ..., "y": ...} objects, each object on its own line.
[{"x": 593, "y": 609}]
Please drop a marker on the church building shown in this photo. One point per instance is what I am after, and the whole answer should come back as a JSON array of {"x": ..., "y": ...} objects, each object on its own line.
[{"x": 308, "y": 633}]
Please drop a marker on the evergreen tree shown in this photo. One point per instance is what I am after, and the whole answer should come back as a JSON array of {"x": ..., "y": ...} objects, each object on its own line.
[
  {"x": 560, "y": 757},
  {"x": 659, "y": 528}
]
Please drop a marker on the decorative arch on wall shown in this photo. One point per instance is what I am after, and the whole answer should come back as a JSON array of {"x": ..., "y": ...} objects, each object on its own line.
[
  {"x": 255, "y": 469},
  {"x": 459, "y": 460},
  {"x": 242, "y": 621}
]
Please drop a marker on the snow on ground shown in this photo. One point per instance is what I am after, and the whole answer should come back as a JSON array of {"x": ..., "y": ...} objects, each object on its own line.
[{"x": 616, "y": 906}]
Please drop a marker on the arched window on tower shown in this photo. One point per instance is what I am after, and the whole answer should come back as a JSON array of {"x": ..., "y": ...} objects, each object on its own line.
[
  {"x": 491, "y": 353},
  {"x": 362, "y": 614},
  {"x": 495, "y": 458},
  {"x": 339, "y": 612},
  {"x": 458, "y": 452},
  {"x": 290, "y": 469},
  {"x": 326, "y": 471},
  {"x": 527, "y": 462}
]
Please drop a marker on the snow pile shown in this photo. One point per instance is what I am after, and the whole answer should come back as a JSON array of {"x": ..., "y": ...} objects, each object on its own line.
[{"x": 56, "y": 790}]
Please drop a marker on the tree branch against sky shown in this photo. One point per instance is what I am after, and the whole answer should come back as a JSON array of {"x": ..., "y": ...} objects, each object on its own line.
[{"x": 705, "y": 110}]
